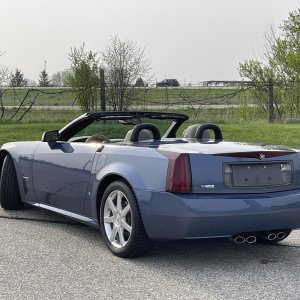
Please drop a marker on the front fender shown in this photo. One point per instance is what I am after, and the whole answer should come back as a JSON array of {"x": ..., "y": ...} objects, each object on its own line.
[{"x": 22, "y": 155}]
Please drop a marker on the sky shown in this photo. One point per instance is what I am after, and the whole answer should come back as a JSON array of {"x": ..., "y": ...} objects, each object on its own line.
[{"x": 190, "y": 40}]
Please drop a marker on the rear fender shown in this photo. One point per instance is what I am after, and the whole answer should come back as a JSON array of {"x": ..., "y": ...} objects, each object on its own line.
[
  {"x": 136, "y": 178},
  {"x": 139, "y": 175}
]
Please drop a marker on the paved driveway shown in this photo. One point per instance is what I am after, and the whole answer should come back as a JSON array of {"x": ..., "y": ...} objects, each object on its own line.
[{"x": 44, "y": 256}]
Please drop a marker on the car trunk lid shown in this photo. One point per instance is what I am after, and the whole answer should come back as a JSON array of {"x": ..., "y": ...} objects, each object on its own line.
[{"x": 240, "y": 168}]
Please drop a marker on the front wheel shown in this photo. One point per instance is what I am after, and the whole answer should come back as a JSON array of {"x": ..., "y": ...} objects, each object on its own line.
[
  {"x": 121, "y": 223},
  {"x": 9, "y": 189}
]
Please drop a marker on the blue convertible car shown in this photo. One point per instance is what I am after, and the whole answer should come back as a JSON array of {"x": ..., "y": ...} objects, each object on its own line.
[{"x": 139, "y": 185}]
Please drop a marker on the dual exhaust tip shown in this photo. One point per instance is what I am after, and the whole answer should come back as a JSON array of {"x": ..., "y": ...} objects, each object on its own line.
[
  {"x": 251, "y": 239},
  {"x": 240, "y": 239},
  {"x": 273, "y": 236}
]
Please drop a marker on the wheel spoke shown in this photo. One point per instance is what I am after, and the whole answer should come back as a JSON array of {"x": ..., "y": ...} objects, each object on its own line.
[
  {"x": 111, "y": 204},
  {"x": 108, "y": 219},
  {"x": 125, "y": 210},
  {"x": 126, "y": 226},
  {"x": 113, "y": 234},
  {"x": 121, "y": 237},
  {"x": 119, "y": 201}
]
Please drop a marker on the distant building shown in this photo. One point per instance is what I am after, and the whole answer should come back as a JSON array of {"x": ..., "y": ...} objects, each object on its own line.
[{"x": 226, "y": 83}]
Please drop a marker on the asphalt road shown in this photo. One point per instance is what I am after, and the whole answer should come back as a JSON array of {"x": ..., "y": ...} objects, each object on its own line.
[{"x": 44, "y": 256}]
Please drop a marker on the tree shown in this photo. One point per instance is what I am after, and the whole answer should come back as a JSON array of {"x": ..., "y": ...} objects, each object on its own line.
[
  {"x": 84, "y": 79},
  {"x": 31, "y": 83},
  {"x": 124, "y": 63},
  {"x": 4, "y": 77},
  {"x": 17, "y": 79},
  {"x": 4, "y": 73},
  {"x": 25, "y": 102},
  {"x": 281, "y": 62},
  {"x": 60, "y": 78},
  {"x": 139, "y": 82},
  {"x": 44, "y": 79}
]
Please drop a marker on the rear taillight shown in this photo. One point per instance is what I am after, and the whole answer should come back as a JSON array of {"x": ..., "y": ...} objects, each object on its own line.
[
  {"x": 228, "y": 175},
  {"x": 179, "y": 178},
  {"x": 286, "y": 172}
]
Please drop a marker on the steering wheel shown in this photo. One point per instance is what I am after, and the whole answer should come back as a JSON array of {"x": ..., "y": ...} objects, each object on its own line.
[{"x": 98, "y": 139}]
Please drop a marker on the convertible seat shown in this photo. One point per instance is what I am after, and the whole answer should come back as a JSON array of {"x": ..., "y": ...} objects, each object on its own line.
[
  {"x": 201, "y": 132},
  {"x": 190, "y": 131},
  {"x": 142, "y": 132}
]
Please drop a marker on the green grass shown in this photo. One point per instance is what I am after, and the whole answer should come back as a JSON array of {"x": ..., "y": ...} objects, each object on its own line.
[
  {"x": 216, "y": 115},
  {"x": 59, "y": 96},
  {"x": 41, "y": 116},
  {"x": 274, "y": 134},
  {"x": 242, "y": 124},
  {"x": 240, "y": 114},
  {"x": 145, "y": 96},
  {"x": 25, "y": 132}
]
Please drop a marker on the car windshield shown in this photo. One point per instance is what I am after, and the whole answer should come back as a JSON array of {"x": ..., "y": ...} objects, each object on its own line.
[{"x": 114, "y": 129}]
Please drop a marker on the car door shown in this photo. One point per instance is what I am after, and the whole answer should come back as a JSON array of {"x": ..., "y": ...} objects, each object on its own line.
[{"x": 61, "y": 173}]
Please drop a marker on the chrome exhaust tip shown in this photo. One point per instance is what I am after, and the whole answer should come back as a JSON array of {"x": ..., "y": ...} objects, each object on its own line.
[
  {"x": 280, "y": 235},
  {"x": 251, "y": 239},
  {"x": 272, "y": 236},
  {"x": 238, "y": 239}
]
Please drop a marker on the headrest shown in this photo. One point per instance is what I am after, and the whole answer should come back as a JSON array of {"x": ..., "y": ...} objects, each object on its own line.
[
  {"x": 201, "y": 132},
  {"x": 143, "y": 135},
  {"x": 145, "y": 130}
]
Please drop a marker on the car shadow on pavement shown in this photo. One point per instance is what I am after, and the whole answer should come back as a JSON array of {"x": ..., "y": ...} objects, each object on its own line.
[
  {"x": 205, "y": 251},
  {"x": 189, "y": 269}
]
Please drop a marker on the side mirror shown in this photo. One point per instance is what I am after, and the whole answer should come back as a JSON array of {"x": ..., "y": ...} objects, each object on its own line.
[{"x": 50, "y": 136}]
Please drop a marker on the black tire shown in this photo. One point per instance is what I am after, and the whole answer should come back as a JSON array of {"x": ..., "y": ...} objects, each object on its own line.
[
  {"x": 9, "y": 190},
  {"x": 263, "y": 240},
  {"x": 121, "y": 242}
]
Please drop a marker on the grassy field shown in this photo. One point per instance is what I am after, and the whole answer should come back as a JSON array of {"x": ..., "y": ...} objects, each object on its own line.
[
  {"x": 147, "y": 96},
  {"x": 41, "y": 116},
  {"x": 244, "y": 123},
  {"x": 200, "y": 115},
  {"x": 25, "y": 132},
  {"x": 277, "y": 134}
]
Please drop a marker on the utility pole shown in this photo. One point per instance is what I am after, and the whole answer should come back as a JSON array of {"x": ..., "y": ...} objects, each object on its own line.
[
  {"x": 102, "y": 90},
  {"x": 271, "y": 100},
  {"x": 45, "y": 65}
]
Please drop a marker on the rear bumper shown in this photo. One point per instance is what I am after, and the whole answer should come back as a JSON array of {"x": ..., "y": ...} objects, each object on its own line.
[{"x": 168, "y": 216}]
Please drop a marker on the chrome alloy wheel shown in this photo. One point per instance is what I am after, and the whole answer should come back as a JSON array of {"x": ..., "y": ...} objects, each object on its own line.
[{"x": 117, "y": 219}]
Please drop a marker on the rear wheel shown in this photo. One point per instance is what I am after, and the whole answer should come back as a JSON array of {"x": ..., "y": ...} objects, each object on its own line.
[
  {"x": 9, "y": 190},
  {"x": 121, "y": 222},
  {"x": 274, "y": 236}
]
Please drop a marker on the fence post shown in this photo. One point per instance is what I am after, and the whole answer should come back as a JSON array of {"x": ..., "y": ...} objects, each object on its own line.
[
  {"x": 271, "y": 100},
  {"x": 102, "y": 90}
]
